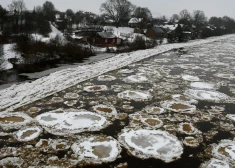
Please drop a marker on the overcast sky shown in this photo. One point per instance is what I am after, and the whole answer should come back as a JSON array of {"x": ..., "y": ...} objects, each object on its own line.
[{"x": 157, "y": 7}]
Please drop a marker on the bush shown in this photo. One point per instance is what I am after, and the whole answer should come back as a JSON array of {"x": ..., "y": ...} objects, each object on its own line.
[{"x": 138, "y": 44}]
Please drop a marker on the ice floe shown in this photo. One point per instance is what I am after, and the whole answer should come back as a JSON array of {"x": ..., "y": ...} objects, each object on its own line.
[
  {"x": 28, "y": 134},
  {"x": 154, "y": 110},
  {"x": 135, "y": 95},
  {"x": 156, "y": 144},
  {"x": 206, "y": 95},
  {"x": 138, "y": 78},
  {"x": 153, "y": 123},
  {"x": 203, "y": 85},
  {"x": 105, "y": 110},
  {"x": 215, "y": 163},
  {"x": 71, "y": 122},
  {"x": 181, "y": 107},
  {"x": 34, "y": 110},
  {"x": 106, "y": 78},
  {"x": 96, "y": 149},
  {"x": 71, "y": 96},
  {"x": 191, "y": 142},
  {"x": 188, "y": 128},
  {"x": 96, "y": 88},
  {"x": 14, "y": 120},
  {"x": 179, "y": 97},
  {"x": 53, "y": 145},
  {"x": 225, "y": 76},
  {"x": 191, "y": 78},
  {"x": 11, "y": 162},
  {"x": 225, "y": 150},
  {"x": 231, "y": 117}
]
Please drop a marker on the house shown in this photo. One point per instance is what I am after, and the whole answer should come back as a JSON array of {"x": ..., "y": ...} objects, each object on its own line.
[
  {"x": 155, "y": 33},
  {"x": 86, "y": 33},
  {"x": 135, "y": 22},
  {"x": 105, "y": 39}
]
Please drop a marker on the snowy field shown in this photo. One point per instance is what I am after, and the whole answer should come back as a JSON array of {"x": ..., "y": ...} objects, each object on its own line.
[
  {"x": 175, "y": 109},
  {"x": 19, "y": 95}
]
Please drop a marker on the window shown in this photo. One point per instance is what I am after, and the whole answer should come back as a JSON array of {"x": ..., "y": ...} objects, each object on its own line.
[{"x": 106, "y": 40}]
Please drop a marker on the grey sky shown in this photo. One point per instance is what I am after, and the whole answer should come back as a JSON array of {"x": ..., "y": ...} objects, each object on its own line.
[{"x": 157, "y": 7}]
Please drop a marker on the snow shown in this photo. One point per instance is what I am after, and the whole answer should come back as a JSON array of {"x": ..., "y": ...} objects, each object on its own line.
[
  {"x": 121, "y": 32},
  {"x": 96, "y": 149},
  {"x": 35, "y": 133},
  {"x": 19, "y": 95},
  {"x": 215, "y": 163},
  {"x": 205, "y": 95},
  {"x": 203, "y": 85},
  {"x": 156, "y": 144},
  {"x": 54, "y": 32},
  {"x": 8, "y": 52},
  {"x": 135, "y": 95},
  {"x": 71, "y": 122}
]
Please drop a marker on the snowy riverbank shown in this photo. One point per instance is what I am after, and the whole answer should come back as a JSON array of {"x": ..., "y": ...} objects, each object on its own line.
[{"x": 18, "y": 95}]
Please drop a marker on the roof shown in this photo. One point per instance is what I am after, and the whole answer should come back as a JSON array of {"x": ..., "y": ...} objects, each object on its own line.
[
  {"x": 158, "y": 30},
  {"x": 106, "y": 35},
  {"x": 135, "y": 20}
]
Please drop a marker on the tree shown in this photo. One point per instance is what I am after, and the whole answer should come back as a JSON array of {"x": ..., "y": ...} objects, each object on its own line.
[
  {"x": 117, "y": 10},
  {"x": 18, "y": 7},
  {"x": 49, "y": 11},
  {"x": 3, "y": 17},
  {"x": 216, "y": 21},
  {"x": 185, "y": 17},
  {"x": 199, "y": 18},
  {"x": 174, "y": 18},
  {"x": 229, "y": 24},
  {"x": 144, "y": 13}
]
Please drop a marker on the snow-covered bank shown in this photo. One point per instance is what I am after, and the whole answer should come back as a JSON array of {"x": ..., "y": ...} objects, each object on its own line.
[
  {"x": 8, "y": 53},
  {"x": 54, "y": 32},
  {"x": 18, "y": 95}
]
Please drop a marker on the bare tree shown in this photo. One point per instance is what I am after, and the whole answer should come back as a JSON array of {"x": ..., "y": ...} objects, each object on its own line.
[
  {"x": 49, "y": 11},
  {"x": 117, "y": 10},
  {"x": 18, "y": 7},
  {"x": 185, "y": 17},
  {"x": 144, "y": 13},
  {"x": 199, "y": 17},
  {"x": 174, "y": 18}
]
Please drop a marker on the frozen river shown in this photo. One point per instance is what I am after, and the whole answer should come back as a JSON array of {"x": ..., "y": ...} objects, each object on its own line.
[{"x": 176, "y": 109}]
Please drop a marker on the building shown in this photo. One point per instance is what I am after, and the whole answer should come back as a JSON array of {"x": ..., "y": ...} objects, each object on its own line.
[
  {"x": 135, "y": 22},
  {"x": 105, "y": 39},
  {"x": 156, "y": 33}
]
